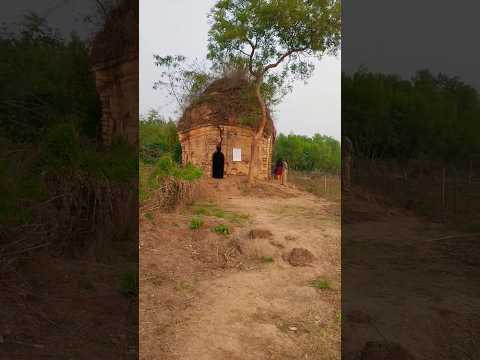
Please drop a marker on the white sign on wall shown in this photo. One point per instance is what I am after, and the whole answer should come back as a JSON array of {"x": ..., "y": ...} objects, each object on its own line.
[{"x": 237, "y": 154}]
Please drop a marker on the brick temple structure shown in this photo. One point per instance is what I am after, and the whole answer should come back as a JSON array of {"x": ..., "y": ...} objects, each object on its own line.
[
  {"x": 114, "y": 56},
  {"x": 224, "y": 117}
]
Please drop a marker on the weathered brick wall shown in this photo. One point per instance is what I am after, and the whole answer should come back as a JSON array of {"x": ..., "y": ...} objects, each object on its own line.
[
  {"x": 117, "y": 85},
  {"x": 199, "y": 144}
]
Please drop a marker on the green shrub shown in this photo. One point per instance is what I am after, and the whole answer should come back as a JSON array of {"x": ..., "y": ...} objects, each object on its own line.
[
  {"x": 211, "y": 209},
  {"x": 119, "y": 163},
  {"x": 165, "y": 166},
  {"x": 320, "y": 284},
  {"x": 63, "y": 149},
  {"x": 196, "y": 223},
  {"x": 222, "y": 229},
  {"x": 61, "y": 146},
  {"x": 150, "y": 216},
  {"x": 152, "y": 176}
]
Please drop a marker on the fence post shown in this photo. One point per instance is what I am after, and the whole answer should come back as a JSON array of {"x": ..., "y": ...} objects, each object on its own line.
[
  {"x": 325, "y": 178},
  {"x": 470, "y": 173},
  {"x": 455, "y": 192},
  {"x": 444, "y": 174}
]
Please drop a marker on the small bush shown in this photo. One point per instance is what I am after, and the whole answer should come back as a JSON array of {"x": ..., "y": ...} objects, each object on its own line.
[
  {"x": 165, "y": 166},
  {"x": 196, "y": 223},
  {"x": 119, "y": 163},
  {"x": 149, "y": 216},
  {"x": 267, "y": 259},
  {"x": 339, "y": 316},
  {"x": 222, "y": 229},
  {"x": 165, "y": 171},
  {"x": 63, "y": 150},
  {"x": 210, "y": 209},
  {"x": 61, "y": 146},
  {"x": 320, "y": 284}
]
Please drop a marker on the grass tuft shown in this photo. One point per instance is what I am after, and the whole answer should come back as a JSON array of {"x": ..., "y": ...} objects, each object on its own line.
[
  {"x": 210, "y": 209},
  {"x": 320, "y": 284},
  {"x": 267, "y": 259},
  {"x": 196, "y": 223},
  {"x": 149, "y": 216},
  {"x": 222, "y": 229}
]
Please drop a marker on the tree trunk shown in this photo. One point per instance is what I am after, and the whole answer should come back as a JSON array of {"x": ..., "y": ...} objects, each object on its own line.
[{"x": 259, "y": 131}]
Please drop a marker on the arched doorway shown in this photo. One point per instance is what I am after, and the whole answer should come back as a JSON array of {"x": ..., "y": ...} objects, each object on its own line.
[{"x": 218, "y": 161}]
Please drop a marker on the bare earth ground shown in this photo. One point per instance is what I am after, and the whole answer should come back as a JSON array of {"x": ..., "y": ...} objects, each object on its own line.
[
  {"x": 409, "y": 281},
  {"x": 57, "y": 308},
  {"x": 207, "y": 296}
]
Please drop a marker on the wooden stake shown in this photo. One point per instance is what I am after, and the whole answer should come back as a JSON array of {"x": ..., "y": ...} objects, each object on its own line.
[{"x": 444, "y": 174}]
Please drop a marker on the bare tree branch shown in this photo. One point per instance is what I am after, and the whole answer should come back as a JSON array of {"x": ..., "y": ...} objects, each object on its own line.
[
  {"x": 102, "y": 7},
  {"x": 250, "y": 60},
  {"x": 288, "y": 53}
]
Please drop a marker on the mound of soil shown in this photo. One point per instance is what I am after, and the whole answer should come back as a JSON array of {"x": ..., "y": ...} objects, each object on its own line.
[
  {"x": 300, "y": 257},
  {"x": 260, "y": 234}
]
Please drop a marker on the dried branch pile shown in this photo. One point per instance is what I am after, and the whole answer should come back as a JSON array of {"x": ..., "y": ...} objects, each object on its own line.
[{"x": 227, "y": 101}]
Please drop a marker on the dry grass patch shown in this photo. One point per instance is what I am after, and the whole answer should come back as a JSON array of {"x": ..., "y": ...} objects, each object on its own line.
[
  {"x": 213, "y": 210},
  {"x": 327, "y": 186}
]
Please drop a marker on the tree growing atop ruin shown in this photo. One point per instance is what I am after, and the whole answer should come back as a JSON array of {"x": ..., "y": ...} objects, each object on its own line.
[{"x": 276, "y": 40}]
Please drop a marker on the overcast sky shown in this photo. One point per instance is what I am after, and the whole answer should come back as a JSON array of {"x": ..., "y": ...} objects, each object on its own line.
[
  {"x": 65, "y": 15},
  {"x": 181, "y": 27},
  {"x": 403, "y": 37}
]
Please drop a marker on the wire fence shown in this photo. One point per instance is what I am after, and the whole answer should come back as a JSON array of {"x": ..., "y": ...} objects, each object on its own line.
[
  {"x": 440, "y": 191},
  {"x": 323, "y": 184}
]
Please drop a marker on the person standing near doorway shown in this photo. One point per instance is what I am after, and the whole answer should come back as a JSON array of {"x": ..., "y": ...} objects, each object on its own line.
[
  {"x": 284, "y": 172},
  {"x": 278, "y": 170}
]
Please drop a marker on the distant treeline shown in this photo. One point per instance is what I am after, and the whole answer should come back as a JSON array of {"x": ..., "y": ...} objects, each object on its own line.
[
  {"x": 46, "y": 81},
  {"x": 158, "y": 137},
  {"x": 316, "y": 153},
  {"x": 427, "y": 117}
]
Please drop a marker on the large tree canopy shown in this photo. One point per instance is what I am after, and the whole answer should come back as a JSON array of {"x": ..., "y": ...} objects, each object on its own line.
[
  {"x": 264, "y": 33},
  {"x": 275, "y": 40}
]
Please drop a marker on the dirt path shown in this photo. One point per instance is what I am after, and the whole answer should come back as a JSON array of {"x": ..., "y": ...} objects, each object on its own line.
[{"x": 263, "y": 307}]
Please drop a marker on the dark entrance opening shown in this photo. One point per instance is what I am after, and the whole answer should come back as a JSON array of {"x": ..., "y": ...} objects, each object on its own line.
[{"x": 218, "y": 161}]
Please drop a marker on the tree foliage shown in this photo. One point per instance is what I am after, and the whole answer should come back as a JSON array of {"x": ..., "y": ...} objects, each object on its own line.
[
  {"x": 49, "y": 117},
  {"x": 45, "y": 80},
  {"x": 183, "y": 81},
  {"x": 316, "y": 153},
  {"x": 261, "y": 35},
  {"x": 426, "y": 117},
  {"x": 158, "y": 137},
  {"x": 276, "y": 41}
]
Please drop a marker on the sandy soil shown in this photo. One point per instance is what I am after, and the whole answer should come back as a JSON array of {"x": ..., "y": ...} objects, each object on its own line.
[{"x": 210, "y": 296}]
